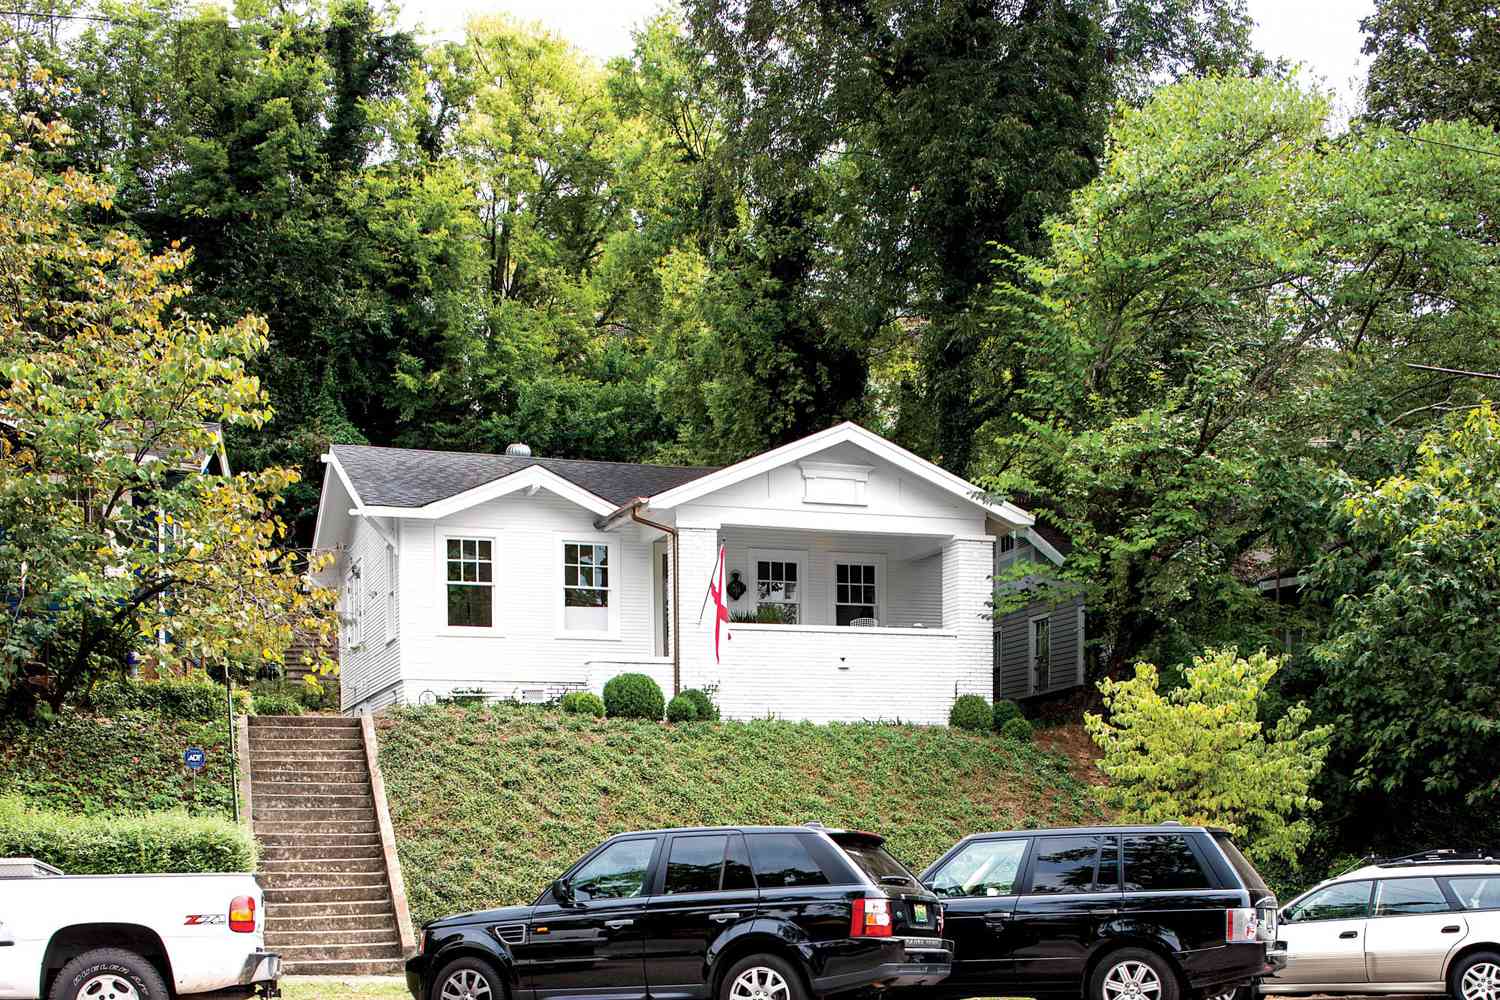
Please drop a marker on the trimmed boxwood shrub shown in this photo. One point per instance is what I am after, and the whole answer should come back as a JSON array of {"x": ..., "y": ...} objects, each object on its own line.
[
  {"x": 114, "y": 844},
  {"x": 707, "y": 710},
  {"x": 1005, "y": 710},
  {"x": 682, "y": 709},
  {"x": 633, "y": 696},
  {"x": 582, "y": 703},
  {"x": 1017, "y": 729},
  {"x": 191, "y": 699},
  {"x": 276, "y": 703},
  {"x": 970, "y": 711}
]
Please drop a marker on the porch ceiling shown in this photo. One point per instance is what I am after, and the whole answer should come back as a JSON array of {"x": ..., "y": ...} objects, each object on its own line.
[{"x": 895, "y": 545}]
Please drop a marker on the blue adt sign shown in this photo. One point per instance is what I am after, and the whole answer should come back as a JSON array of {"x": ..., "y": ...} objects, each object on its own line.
[{"x": 195, "y": 758}]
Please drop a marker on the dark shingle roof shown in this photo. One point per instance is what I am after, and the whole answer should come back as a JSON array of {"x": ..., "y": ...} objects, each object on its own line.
[{"x": 413, "y": 477}]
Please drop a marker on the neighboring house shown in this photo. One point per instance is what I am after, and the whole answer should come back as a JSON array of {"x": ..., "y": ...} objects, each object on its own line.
[
  {"x": 1038, "y": 649},
  {"x": 524, "y": 577}
]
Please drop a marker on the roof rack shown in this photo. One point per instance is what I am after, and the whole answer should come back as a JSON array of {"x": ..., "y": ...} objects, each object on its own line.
[{"x": 1440, "y": 856}]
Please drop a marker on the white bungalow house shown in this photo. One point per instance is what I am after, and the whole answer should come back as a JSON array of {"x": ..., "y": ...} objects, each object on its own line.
[{"x": 523, "y": 577}]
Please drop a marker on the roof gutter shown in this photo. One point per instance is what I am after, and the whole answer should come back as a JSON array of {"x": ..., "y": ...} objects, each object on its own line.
[{"x": 633, "y": 510}]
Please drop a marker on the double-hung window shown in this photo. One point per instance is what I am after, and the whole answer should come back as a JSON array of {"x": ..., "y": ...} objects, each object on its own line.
[
  {"x": 354, "y": 607},
  {"x": 390, "y": 592},
  {"x": 586, "y": 587},
  {"x": 470, "y": 566},
  {"x": 855, "y": 597},
  {"x": 1041, "y": 654},
  {"x": 778, "y": 586}
]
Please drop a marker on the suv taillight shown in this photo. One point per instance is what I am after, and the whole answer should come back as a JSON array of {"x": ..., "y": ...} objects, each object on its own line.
[
  {"x": 941, "y": 919},
  {"x": 872, "y": 918},
  {"x": 242, "y": 914},
  {"x": 1241, "y": 926}
]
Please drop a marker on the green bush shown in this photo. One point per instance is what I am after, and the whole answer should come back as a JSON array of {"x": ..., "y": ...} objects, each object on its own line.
[
  {"x": 154, "y": 843},
  {"x": 276, "y": 703},
  {"x": 633, "y": 696},
  {"x": 583, "y": 703},
  {"x": 1016, "y": 729},
  {"x": 707, "y": 710},
  {"x": 970, "y": 711},
  {"x": 682, "y": 709},
  {"x": 1005, "y": 710},
  {"x": 172, "y": 698}
]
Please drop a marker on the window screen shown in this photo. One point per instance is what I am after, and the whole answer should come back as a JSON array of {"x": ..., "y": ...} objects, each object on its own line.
[
  {"x": 1064, "y": 864},
  {"x": 782, "y": 859},
  {"x": 1156, "y": 863}
]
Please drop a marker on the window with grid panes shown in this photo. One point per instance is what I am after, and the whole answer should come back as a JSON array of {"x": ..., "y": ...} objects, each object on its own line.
[
  {"x": 471, "y": 582},
  {"x": 854, "y": 592}
]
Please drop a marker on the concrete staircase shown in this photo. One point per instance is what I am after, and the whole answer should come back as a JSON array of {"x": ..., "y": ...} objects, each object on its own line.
[{"x": 325, "y": 865}]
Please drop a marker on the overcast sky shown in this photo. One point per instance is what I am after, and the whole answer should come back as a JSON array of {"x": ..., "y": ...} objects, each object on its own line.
[{"x": 1323, "y": 34}]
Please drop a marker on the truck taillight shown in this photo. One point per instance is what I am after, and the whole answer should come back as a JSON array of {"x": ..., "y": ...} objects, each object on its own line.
[
  {"x": 242, "y": 914},
  {"x": 872, "y": 918},
  {"x": 1241, "y": 926}
]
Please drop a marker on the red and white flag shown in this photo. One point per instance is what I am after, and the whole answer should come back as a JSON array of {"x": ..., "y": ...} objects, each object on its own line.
[{"x": 716, "y": 591}]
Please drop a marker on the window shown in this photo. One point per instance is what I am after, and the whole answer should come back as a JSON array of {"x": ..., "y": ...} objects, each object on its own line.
[
  {"x": 1396, "y": 897},
  {"x": 1345, "y": 901},
  {"x": 471, "y": 583},
  {"x": 617, "y": 872},
  {"x": 854, "y": 592},
  {"x": 1041, "y": 654},
  {"x": 1109, "y": 865},
  {"x": 1157, "y": 863},
  {"x": 1064, "y": 864},
  {"x": 354, "y": 607},
  {"x": 1481, "y": 892},
  {"x": 737, "y": 864},
  {"x": 878, "y": 863},
  {"x": 390, "y": 592},
  {"x": 983, "y": 868},
  {"x": 696, "y": 864},
  {"x": 1007, "y": 543},
  {"x": 782, "y": 860},
  {"x": 778, "y": 585},
  {"x": 586, "y": 583}
]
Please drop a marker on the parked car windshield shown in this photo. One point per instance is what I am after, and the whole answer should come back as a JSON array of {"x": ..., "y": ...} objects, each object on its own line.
[
  {"x": 1243, "y": 867},
  {"x": 878, "y": 863}
]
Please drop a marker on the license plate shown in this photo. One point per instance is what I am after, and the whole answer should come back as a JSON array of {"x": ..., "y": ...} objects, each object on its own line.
[{"x": 919, "y": 912}]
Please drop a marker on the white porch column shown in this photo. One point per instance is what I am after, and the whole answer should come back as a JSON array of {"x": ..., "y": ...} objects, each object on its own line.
[
  {"x": 697, "y": 550},
  {"x": 968, "y": 564}
]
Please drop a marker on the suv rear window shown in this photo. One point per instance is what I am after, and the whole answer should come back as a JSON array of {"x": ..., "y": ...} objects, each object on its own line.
[
  {"x": 1242, "y": 867},
  {"x": 876, "y": 862},
  {"x": 1160, "y": 862},
  {"x": 782, "y": 860}
]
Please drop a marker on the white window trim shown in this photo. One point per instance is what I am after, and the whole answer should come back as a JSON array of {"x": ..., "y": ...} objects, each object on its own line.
[
  {"x": 868, "y": 558},
  {"x": 616, "y": 591},
  {"x": 752, "y": 592},
  {"x": 392, "y": 599},
  {"x": 479, "y": 534},
  {"x": 1031, "y": 685}
]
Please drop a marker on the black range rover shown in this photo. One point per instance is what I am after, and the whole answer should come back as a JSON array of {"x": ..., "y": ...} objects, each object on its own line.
[
  {"x": 741, "y": 913},
  {"x": 1105, "y": 913}
]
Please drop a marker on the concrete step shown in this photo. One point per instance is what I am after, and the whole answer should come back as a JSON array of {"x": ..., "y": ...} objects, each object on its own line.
[
  {"x": 276, "y": 841},
  {"x": 278, "y": 894},
  {"x": 325, "y": 880},
  {"x": 304, "y": 721},
  {"x": 260, "y": 787},
  {"x": 313, "y": 800},
  {"x": 279, "y": 940},
  {"x": 309, "y": 759},
  {"x": 344, "y": 967},
  {"x": 303, "y": 851},
  {"x": 332, "y": 909},
  {"x": 322, "y": 734},
  {"x": 353, "y": 772},
  {"x": 322, "y": 866},
  {"x": 372, "y": 923},
  {"x": 324, "y": 952},
  {"x": 277, "y": 744},
  {"x": 295, "y": 826},
  {"x": 290, "y": 814}
]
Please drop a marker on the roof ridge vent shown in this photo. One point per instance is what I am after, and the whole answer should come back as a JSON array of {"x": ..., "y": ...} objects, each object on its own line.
[{"x": 518, "y": 449}]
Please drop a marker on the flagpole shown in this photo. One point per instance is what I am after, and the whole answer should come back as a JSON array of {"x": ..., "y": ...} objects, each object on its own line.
[{"x": 704, "y": 606}]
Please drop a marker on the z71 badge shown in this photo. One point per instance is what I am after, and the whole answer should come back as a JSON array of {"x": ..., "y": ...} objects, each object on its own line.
[{"x": 199, "y": 919}]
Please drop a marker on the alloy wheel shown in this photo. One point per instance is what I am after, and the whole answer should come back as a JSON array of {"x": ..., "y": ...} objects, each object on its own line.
[
  {"x": 466, "y": 984},
  {"x": 760, "y": 982},
  {"x": 108, "y": 986},
  {"x": 1481, "y": 982},
  {"x": 1134, "y": 980}
]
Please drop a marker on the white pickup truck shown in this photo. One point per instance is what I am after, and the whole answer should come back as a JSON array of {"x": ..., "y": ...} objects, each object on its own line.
[{"x": 130, "y": 937}]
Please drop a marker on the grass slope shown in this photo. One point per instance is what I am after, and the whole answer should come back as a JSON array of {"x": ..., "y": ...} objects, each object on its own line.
[{"x": 490, "y": 804}]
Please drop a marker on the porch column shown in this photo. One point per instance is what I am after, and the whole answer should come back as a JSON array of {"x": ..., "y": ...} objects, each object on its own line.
[
  {"x": 968, "y": 565},
  {"x": 697, "y": 550}
]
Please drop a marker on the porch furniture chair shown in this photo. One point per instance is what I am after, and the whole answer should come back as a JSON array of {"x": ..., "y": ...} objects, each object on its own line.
[{"x": 863, "y": 623}]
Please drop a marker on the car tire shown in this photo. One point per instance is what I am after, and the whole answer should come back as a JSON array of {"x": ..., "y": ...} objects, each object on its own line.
[
  {"x": 1133, "y": 974},
  {"x": 467, "y": 979},
  {"x": 108, "y": 974},
  {"x": 762, "y": 977},
  {"x": 1475, "y": 977}
]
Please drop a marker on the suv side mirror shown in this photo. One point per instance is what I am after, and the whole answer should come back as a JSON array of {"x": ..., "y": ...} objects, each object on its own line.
[{"x": 562, "y": 891}]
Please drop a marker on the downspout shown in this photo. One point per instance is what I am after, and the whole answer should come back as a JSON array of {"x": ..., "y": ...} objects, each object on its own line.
[{"x": 635, "y": 515}]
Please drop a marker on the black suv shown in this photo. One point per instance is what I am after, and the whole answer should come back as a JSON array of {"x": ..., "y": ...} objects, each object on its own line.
[
  {"x": 1106, "y": 913},
  {"x": 730, "y": 913}
]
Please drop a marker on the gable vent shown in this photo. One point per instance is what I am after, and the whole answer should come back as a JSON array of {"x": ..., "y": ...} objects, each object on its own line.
[
  {"x": 518, "y": 449},
  {"x": 510, "y": 933}
]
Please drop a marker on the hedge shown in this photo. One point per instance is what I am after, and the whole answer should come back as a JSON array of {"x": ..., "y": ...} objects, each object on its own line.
[
  {"x": 198, "y": 700},
  {"x": 682, "y": 709},
  {"x": 147, "y": 843},
  {"x": 971, "y": 712},
  {"x": 633, "y": 696}
]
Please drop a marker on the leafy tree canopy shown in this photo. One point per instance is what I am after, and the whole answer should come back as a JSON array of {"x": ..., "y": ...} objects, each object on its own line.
[{"x": 1433, "y": 60}]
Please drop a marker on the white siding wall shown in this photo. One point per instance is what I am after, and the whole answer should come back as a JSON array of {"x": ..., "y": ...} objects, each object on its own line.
[{"x": 371, "y": 668}]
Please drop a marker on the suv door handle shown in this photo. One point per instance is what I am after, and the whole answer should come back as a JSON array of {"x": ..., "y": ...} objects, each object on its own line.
[
  {"x": 1452, "y": 929},
  {"x": 1349, "y": 934},
  {"x": 995, "y": 919},
  {"x": 723, "y": 918},
  {"x": 615, "y": 925}
]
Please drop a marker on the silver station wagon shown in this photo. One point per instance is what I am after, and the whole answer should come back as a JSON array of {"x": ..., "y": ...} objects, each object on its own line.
[{"x": 1425, "y": 923}]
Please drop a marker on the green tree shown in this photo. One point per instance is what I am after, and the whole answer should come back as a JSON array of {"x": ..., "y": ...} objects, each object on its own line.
[
  {"x": 1408, "y": 669},
  {"x": 110, "y": 542},
  {"x": 1433, "y": 60},
  {"x": 1200, "y": 753}
]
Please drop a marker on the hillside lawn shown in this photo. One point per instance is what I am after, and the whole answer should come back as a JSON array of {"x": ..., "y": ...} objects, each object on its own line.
[{"x": 492, "y": 803}]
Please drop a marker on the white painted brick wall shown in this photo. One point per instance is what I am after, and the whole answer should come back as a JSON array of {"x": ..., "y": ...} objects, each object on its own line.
[{"x": 967, "y": 590}]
